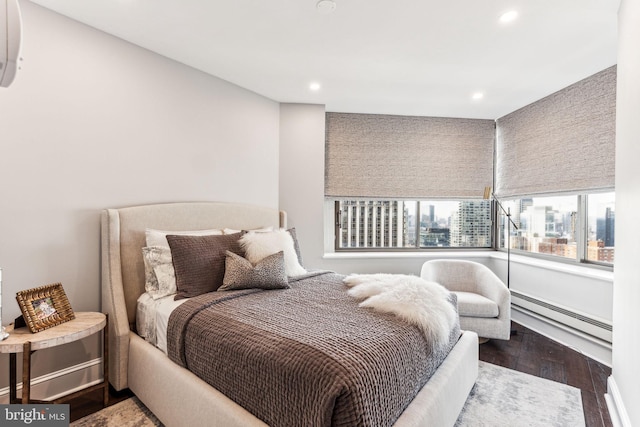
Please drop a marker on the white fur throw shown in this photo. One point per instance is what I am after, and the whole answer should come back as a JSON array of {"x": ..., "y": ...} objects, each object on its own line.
[{"x": 413, "y": 299}]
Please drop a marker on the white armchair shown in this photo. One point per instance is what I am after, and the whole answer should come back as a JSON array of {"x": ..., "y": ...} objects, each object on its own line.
[{"x": 484, "y": 302}]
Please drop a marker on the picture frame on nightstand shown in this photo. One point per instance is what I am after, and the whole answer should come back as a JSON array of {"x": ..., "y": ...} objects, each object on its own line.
[{"x": 44, "y": 307}]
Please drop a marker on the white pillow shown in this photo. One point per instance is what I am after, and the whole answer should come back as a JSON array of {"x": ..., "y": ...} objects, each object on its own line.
[
  {"x": 159, "y": 237},
  {"x": 259, "y": 245},
  {"x": 257, "y": 230}
]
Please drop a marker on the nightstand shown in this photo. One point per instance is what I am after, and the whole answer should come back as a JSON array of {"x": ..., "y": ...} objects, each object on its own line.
[{"x": 21, "y": 340}]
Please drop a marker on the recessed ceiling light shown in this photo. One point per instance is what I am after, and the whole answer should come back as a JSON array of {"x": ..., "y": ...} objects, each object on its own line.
[
  {"x": 314, "y": 86},
  {"x": 508, "y": 16},
  {"x": 325, "y": 6},
  {"x": 477, "y": 95}
]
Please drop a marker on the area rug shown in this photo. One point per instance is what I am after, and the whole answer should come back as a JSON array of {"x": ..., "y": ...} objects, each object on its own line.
[
  {"x": 501, "y": 397},
  {"x": 128, "y": 413},
  {"x": 504, "y": 397}
]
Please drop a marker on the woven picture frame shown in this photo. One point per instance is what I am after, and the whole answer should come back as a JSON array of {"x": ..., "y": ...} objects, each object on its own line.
[{"x": 44, "y": 307}]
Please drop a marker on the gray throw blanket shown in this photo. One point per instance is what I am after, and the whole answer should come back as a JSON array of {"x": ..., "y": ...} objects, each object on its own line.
[{"x": 305, "y": 356}]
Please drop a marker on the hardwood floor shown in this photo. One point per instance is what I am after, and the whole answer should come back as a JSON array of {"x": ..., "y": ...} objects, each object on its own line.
[
  {"x": 92, "y": 402},
  {"x": 534, "y": 354},
  {"x": 527, "y": 352}
]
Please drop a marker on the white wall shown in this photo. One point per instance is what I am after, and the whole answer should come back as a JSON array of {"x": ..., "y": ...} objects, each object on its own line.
[
  {"x": 302, "y": 175},
  {"x": 624, "y": 387},
  {"x": 93, "y": 122},
  {"x": 585, "y": 290}
]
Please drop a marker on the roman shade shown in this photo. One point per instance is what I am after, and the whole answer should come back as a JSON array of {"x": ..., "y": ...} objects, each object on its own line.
[
  {"x": 382, "y": 156},
  {"x": 563, "y": 143}
]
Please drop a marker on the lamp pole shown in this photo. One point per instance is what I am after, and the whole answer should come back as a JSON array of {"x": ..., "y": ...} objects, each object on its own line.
[{"x": 507, "y": 213}]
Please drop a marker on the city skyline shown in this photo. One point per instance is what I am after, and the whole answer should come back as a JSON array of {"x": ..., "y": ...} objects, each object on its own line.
[{"x": 545, "y": 225}]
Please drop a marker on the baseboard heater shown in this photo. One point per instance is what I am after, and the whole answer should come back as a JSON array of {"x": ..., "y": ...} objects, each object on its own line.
[{"x": 582, "y": 322}]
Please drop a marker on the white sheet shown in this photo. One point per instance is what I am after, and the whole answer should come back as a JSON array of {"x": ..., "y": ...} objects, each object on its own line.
[
  {"x": 152, "y": 318},
  {"x": 163, "y": 312}
]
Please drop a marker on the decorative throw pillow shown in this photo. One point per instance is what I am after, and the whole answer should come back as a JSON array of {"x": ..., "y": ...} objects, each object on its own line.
[
  {"x": 260, "y": 245},
  {"x": 199, "y": 262},
  {"x": 162, "y": 258},
  {"x": 268, "y": 273},
  {"x": 150, "y": 280},
  {"x": 159, "y": 273}
]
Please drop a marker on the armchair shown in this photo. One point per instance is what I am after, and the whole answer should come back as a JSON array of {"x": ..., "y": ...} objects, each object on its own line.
[{"x": 484, "y": 301}]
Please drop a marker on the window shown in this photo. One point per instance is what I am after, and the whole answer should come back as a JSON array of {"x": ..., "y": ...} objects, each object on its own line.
[
  {"x": 577, "y": 227},
  {"x": 601, "y": 225},
  {"x": 411, "y": 224}
]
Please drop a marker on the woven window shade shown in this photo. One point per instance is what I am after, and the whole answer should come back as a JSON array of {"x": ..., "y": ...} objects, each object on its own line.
[
  {"x": 407, "y": 157},
  {"x": 562, "y": 143}
]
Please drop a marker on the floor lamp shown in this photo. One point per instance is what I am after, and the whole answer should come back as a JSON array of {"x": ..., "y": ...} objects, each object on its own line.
[{"x": 507, "y": 212}]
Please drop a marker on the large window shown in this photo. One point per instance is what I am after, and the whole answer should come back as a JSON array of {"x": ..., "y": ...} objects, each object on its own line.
[
  {"x": 411, "y": 224},
  {"x": 577, "y": 227}
]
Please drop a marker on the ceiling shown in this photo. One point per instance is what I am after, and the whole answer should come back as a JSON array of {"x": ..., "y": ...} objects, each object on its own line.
[{"x": 408, "y": 57}]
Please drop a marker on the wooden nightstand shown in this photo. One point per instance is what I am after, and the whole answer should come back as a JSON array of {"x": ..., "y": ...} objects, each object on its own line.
[{"x": 21, "y": 340}]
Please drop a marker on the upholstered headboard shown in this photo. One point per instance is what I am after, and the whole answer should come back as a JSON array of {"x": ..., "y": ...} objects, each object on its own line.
[{"x": 123, "y": 237}]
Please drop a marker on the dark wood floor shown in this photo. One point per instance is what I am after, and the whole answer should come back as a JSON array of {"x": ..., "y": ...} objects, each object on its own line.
[{"x": 527, "y": 352}]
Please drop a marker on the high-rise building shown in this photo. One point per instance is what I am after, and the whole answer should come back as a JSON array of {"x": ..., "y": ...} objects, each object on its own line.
[
  {"x": 598, "y": 251},
  {"x": 523, "y": 204},
  {"x": 471, "y": 224},
  {"x": 372, "y": 224},
  {"x": 435, "y": 237},
  {"x": 606, "y": 228},
  {"x": 609, "y": 228}
]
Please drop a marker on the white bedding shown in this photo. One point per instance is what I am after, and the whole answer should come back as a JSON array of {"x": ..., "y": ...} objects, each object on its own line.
[{"x": 153, "y": 316}]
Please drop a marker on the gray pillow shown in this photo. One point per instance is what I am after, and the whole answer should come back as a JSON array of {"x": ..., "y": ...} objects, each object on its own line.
[
  {"x": 296, "y": 245},
  {"x": 199, "y": 262},
  {"x": 268, "y": 273}
]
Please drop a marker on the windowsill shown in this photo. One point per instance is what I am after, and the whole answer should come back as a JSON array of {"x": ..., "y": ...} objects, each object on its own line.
[
  {"x": 561, "y": 267},
  {"x": 578, "y": 270}
]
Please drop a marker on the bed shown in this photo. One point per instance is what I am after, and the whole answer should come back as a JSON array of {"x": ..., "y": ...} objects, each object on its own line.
[{"x": 177, "y": 396}]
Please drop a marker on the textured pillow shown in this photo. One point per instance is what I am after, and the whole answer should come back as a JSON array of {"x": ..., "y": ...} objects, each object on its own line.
[
  {"x": 150, "y": 280},
  {"x": 296, "y": 245},
  {"x": 158, "y": 239},
  {"x": 199, "y": 262},
  {"x": 260, "y": 245},
  {"x": 268, "y": 273},
  {"x": 160, "y": 279}
]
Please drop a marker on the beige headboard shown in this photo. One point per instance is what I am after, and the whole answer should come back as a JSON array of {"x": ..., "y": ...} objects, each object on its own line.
[{"x": 123, "y": 237}]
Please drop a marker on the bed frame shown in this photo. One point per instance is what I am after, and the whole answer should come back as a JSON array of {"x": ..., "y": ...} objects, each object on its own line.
[{"x": 176, "y": 396}]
